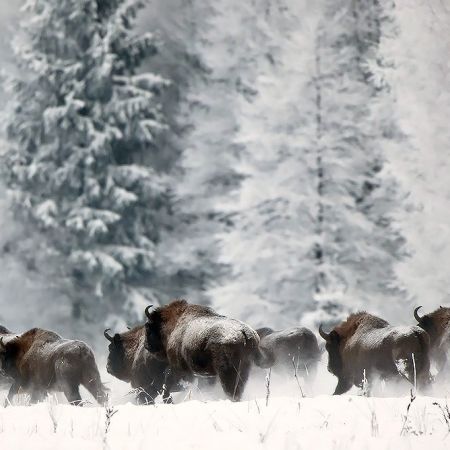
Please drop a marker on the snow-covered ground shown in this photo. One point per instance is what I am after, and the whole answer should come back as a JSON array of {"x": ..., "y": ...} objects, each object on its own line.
[
  {"x": 325, "y": 422},
  {"x": 202, "y": 421}
]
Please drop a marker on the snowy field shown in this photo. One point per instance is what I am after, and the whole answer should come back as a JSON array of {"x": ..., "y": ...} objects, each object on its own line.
[
  {"x": 325, "y": 422},
  {"x": 202, "y": 421}
]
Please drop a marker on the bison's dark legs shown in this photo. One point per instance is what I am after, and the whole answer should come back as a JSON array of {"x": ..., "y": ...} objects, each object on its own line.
[
  {"x": 13, "y": 390},
  {"x": 171, "y": 379},
  {"x": 72, "y": 394},
  {"x": 37, "y": 396},
  {"x": 97, "y": 390},
  {"x": 146, "y": 395},
  {"x": 342, "y": 387},
  {"x": 233, "y": 377}
]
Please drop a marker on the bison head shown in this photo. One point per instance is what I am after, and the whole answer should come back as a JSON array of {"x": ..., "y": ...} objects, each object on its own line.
[
  {"x": 434, "y": 323},
  {"x": 116, "y": 364},
  {"x": 8, "y": 351},
  {"x": 332, "y": 346},
  {"x": 153, "y": 333},
  {"x": 263, "y": 332}
]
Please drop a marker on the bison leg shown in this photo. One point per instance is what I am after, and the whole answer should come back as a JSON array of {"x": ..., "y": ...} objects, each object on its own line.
[
  {"x": 72, "y": 394},
  {"x": 146, "y": 395},
  {"x": 13, "y": 390},
  {"x": 37, "y": 396},
  {"x": 97, "y": 390},
  {"x": 342, "y": 387},
  {"x": 233, "y": 375}
]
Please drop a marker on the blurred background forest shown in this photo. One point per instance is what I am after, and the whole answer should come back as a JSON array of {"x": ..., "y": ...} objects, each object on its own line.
[{"x": 284, "y": 161}]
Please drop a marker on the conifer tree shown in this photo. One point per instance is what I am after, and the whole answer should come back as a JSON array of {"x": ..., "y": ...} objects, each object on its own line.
[{"x": 81, "y": 131}]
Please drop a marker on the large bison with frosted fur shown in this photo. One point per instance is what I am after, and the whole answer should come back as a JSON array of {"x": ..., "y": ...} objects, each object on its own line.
[
  {"x": 195, "y": 340},
  {"x": 129, "y": 361},
  {"x": 39, "y": 361},
  {"x": 290, "y": 349},
  {"x": 437, "y": 325},
  {"x": 367, "y": 345}
]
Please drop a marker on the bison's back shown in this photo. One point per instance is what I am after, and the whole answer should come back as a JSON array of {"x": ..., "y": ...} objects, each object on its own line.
[
  {"x": 381, "y": 349},
  {"x": 197, "y": 342},
  {"x": 292, "y": 340}
]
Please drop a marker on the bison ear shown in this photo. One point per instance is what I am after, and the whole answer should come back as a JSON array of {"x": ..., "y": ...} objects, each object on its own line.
[{"x": 116, "y": 338}]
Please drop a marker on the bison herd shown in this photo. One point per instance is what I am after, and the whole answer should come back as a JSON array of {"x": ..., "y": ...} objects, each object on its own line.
[{"x": 180, "y": 342}]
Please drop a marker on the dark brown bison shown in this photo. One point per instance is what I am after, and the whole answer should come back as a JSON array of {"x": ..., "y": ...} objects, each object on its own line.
[
  {"x": 40, "y": 361},
  {"x": 367, "y": 344},
  {"x": 195, "y": 340},
  {"x": 129, "y": 361},
  {"x": 4, "y": 380},
  {"x": 290, "y": 347},
  {"x": 437, "y": 325}
]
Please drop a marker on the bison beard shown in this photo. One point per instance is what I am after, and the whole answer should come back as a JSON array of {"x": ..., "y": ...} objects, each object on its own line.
[
  {"x": 129, "y": 361},
  {"x": 370, "y": 345},
  {"x": 195, "y": 340},
  {"x": 40, "y": 361}
]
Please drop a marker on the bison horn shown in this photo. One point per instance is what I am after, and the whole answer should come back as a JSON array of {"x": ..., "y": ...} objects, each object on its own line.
[
  {"x": 416, "y": 315},
  {"x": 107, "y": 336},
  {"x": 323, "y": 334},
  {"x": 147, "y": 311},
  {"x": 2, "y": 345}
]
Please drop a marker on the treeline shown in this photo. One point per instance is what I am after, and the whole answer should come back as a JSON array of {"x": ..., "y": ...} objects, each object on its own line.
[{"x": 236, "y": 153}]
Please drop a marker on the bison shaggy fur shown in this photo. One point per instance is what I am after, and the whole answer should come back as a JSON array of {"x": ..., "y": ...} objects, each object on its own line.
[
  {"x": 437, "y": 325},
  {"x": 195, "y": 340},
  {"x": 291, "y": 348},
  {"x": 366, "y": 344},
  {"x": 129, "y": 361},
  {"x": 40, "y": 361}
]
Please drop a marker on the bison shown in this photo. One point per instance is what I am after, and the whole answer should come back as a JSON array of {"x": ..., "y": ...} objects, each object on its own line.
[
  {"x": 195, "y": 340},
  {"x": 129, "y": 361},
  {"x": 437, "y": 325},
  {"x": 4, "y": 380},
  {"x": 366, "y": 344},
  {"x": 40, "y": 361},
  {"x": 293, "y": 347}
]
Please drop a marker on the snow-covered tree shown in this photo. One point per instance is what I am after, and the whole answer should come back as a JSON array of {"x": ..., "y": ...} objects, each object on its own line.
[
  {"x": 312, "y": 229},
  {"x": 416, "y": 49},
  {"x": 81, "y": 130},
  {"x": 219, "y": 51}
]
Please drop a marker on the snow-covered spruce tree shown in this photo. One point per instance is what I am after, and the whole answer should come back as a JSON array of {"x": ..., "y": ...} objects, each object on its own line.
[
  {"x": 359, "y": 245},
  {"x": 415, "y": 48},
  {"x": 311, "y": 230},
  {"x": 270, "y": 245},
  {"x": 81, "y": 130},
  {"x": 220, "y": 49}
]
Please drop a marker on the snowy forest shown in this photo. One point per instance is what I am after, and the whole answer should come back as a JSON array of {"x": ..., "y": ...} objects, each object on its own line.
[{"x": 284, "y": 161}]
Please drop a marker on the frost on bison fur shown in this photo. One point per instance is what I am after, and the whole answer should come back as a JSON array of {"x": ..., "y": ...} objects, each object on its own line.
[
  {"x": 40, "y": 361},
  {"x": 195, "y": 340},
  {"x": 130, "y": 361},
  {"x": 437, "y": 325},
  {"x": 367, "y": 344},
  {"x": 293, "y": 346}
]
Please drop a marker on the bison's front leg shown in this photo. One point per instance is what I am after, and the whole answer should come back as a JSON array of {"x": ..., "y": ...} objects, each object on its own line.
[
  {"x": 342, "y": 387},
  {"x": 233, "y": 375},
  {"x": 72, "y": 393},
  {"x": 13, "y": 390}
]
